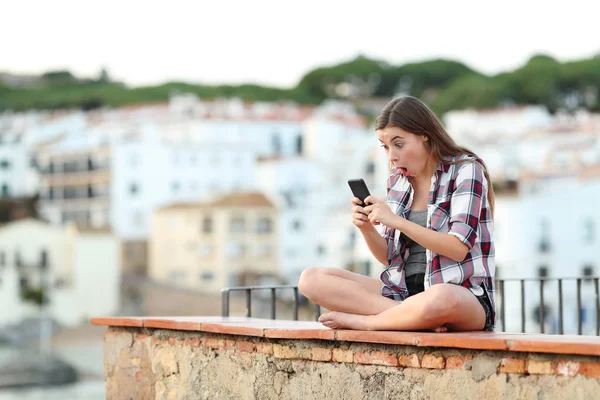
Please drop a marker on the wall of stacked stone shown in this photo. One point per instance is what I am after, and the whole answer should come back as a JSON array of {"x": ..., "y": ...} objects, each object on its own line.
[{"x": 144, "y": 363}]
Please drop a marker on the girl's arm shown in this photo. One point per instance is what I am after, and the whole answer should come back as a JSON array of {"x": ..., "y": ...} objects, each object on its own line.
[
  {"x": 376, "y": 243},
  {"x": 445, "y": 244}
]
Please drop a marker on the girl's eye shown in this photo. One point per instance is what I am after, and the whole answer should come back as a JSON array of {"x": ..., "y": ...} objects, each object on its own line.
[
  {"x": 384, "y": 146},
  {"x": 398, "y": 145}
]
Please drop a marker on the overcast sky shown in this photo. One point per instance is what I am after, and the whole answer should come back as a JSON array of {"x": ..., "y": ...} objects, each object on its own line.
[{"x": 276, "y": 42}]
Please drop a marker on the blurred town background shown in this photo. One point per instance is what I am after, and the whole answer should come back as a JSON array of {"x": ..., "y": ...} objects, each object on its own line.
[{"x": 127, "y": 191}]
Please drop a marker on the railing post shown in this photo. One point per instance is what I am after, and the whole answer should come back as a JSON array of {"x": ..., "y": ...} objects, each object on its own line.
[
  {"x": 579, "y": 327},
  {"x": 503, "y": 306},
  {"x": 522, "y": 306},
  {"x": 542, "y": 306},
  {"x": 273, "y": 305},
  {"x": 296, "y": 301},
  {"x": 597, "y": 306},
  {"x": 248, "y": 303},
  {"x": 225, "y": 302},
  {"x": 561, "y": 328}
]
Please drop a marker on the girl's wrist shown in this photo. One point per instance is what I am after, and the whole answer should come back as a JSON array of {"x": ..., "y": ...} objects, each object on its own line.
[{"x": 399, "y": 223}]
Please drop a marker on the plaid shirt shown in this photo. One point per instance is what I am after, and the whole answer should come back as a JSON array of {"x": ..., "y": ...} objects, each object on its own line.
[{"x": 458, "y": 205}]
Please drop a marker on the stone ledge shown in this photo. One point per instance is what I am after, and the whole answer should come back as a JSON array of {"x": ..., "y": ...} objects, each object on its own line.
[
  {"x": 283, "y": 329},
  {"x": 148, "y": 363}
]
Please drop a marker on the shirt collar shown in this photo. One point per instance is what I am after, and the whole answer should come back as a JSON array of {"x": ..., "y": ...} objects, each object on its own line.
[{"x": 444, "y": 165}]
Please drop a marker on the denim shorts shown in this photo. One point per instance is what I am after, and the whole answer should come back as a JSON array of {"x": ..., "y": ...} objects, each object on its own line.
[{"x": 416, "y": 284}]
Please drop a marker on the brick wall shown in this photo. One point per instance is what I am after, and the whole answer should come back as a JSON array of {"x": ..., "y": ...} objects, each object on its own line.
[{"x": 143, "y": 363}]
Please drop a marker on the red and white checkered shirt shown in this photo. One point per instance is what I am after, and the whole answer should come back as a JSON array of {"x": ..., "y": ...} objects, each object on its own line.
[{"x": 458, "y": 205}]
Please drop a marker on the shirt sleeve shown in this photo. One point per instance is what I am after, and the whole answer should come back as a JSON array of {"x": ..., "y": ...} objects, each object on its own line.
[
  {"x": 467, "y": 203},
  {"x": 386, "y": 232}
]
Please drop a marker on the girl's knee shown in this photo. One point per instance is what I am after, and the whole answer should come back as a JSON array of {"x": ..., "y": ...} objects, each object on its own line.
[
  {"x": 441, "y": 302},
  {"x": 309, "y": 280}
]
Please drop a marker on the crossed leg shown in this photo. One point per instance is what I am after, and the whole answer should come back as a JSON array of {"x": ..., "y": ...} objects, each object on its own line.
[
  {"x": 356, "y": 303},
  {"x": 340, "y": 290},
  {"x": 442, "y": 305}
]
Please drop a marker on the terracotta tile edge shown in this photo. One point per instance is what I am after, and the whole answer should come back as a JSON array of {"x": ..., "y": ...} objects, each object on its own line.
[
  {"x": 116, "y": 321},
  {"x": 238, "y": 330},
  {"x": 155, "y": 323},
  {"x": 457, "y": 342},
  {"x": 299, "y": 334}
]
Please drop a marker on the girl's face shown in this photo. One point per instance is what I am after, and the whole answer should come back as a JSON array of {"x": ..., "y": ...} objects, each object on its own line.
[{"x": 406, "y": 151}]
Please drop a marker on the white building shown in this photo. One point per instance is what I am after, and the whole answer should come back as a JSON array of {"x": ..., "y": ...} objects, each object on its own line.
[
  {"x": 101, "y": 180},
  {"x": 20, "y": 135},
  {"x": 295, "y": 185},
  {"x": 468, "y": 125},
  {"x": 80, "y": 270},
  {"x": 550, "y": 229}
]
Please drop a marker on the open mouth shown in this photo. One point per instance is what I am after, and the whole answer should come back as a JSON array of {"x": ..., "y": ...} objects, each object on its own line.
[{"x": 403, "y": 171}]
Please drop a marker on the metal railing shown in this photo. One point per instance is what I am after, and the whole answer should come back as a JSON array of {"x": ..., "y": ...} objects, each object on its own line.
[
  {"x": 225, "y": 299},
  {"x": 503, "y": 296},
  {"x": 543, "y": 288}
]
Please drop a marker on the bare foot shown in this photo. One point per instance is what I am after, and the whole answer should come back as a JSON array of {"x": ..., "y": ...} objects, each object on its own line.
[{"x": 341, "y": 320}]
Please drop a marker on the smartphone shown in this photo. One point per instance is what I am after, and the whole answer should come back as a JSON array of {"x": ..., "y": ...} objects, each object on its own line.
[{"x": 359, "y": 189}]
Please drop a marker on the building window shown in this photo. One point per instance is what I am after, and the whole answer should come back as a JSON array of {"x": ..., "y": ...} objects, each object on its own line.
[
  {"x": 2, "y": 259},
  {"x": 543, "y": 272},
  {"x": 44, "y": 259},
  {"x": 588, "y": 231},
  {"x": 5, "y": 190},
  {"x": 370, "y": 168},
  {"x": 207, "y": 225},
  {"x": 321, "y": 250},
  {"x": 299, "y": 144},
  {"x": 234, "y": 250},
  {"x": 237, "y": 225},
  {"x": 175, "y": 187},
  {"x": 204, "y": 250},
  {"x": 4, "y": 164},
  {"x": 18, "y": 259},
  {"x": 263, "y": 225},
  {"x": 588, "y": 272},
  {"x": 178, "y": 276},
  {"x": 264, "y": 250},
  {"x": 276, "y": 144},
  {"x": 138, "y": 219},
  {"x": 207, "y": 276},
  {"x": 60, "y": 283},
  {"x": 133, "y": 188},
  {"x": 297, "y": 225},
  {"x": 544, "y": 245}
]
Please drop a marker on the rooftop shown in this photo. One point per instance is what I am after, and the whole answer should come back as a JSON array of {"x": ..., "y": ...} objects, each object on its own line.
[{"x": 239, "y": 199}]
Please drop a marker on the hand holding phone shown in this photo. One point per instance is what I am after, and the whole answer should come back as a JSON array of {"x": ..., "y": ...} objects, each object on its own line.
[
  {"x": 359, "y": 189},
  {"x": 360, "y": 192}
]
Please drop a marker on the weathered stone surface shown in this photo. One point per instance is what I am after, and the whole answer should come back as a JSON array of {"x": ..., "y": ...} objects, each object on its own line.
[{"x": 143, "y": 364}]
